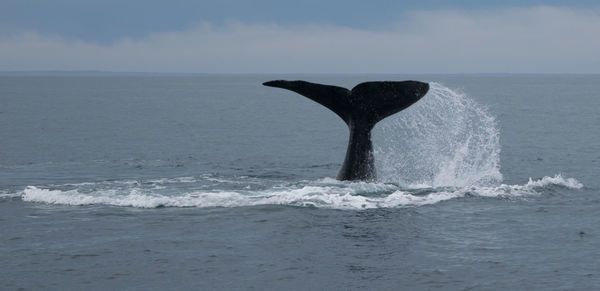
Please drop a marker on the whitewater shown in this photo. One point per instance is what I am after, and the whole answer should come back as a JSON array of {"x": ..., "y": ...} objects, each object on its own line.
[{"x": 325, "y": 193}]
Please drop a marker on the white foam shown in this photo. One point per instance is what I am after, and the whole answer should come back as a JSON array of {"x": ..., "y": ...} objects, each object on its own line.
[
  {"x": 530, "y": 188},
  {"x": 175, "y": 180},
  {"x": 400, "y": 198},
  {"x": 8, "y": 195},
  {"x": 556, "y": 180},
  {"x": 324, "y": 193}
]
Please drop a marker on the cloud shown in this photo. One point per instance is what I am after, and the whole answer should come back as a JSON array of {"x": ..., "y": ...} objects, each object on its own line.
[{"x": 519, "y": 40}]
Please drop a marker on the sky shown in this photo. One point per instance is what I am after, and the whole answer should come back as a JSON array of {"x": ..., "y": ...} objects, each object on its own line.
[{"x": 309, "y": 36}]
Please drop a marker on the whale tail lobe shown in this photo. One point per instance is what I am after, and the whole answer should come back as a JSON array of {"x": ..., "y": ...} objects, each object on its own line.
[{"x": 361, "y": 108}]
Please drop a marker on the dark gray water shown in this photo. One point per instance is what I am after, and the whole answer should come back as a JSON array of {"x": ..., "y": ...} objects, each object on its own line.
[{"x": 216, "y": 182}]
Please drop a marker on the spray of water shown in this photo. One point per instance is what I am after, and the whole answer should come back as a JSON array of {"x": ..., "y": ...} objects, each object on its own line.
[{"x": 445, "y": 139}]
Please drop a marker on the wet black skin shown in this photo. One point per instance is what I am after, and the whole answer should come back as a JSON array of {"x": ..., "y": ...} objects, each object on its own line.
[{"x": 361, "y": 108}]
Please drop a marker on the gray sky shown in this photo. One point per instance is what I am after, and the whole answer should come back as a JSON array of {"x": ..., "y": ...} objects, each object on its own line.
[{"x": 301, "y": 37}]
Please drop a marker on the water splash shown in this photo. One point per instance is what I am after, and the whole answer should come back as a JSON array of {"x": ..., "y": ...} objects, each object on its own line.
[{"x": 445, "y": 139}]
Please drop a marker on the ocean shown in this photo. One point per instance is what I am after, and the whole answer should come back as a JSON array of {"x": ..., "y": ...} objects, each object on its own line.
[{"x": 215, "y": 182}]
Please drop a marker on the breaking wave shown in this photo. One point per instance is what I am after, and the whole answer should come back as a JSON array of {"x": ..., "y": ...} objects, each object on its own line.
[{"x": 324, "y": 193}]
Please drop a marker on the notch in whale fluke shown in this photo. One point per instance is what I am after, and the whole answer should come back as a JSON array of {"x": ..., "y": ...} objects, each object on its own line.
[{"x": 361, "y": 108}]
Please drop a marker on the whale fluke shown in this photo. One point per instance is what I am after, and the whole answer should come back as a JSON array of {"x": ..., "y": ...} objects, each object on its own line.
[{"x": 361, "y": 108}]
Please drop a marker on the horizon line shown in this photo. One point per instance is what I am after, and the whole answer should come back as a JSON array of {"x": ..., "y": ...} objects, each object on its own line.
[{"x": 133, "y": 73}]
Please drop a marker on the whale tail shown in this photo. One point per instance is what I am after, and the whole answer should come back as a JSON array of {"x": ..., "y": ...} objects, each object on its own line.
[{"x": 361, "y": 108}]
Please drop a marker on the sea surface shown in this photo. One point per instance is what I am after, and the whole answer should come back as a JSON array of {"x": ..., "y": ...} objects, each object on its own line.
[{"x": 215, "y": 182}]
